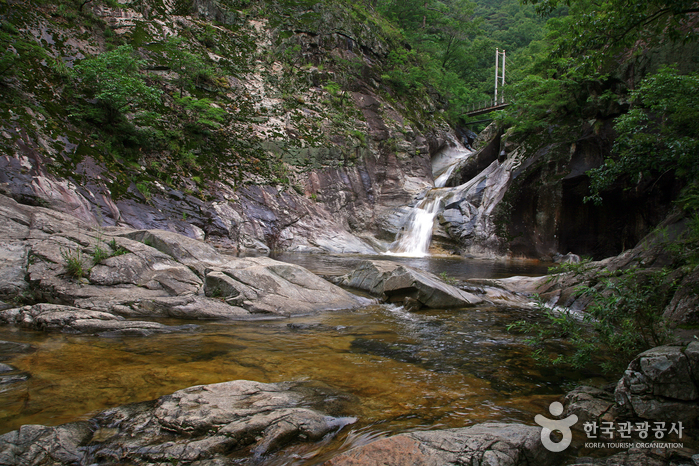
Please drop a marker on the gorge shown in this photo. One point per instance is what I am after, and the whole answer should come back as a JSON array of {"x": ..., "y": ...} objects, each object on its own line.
[{"x": 258, "y": 232}]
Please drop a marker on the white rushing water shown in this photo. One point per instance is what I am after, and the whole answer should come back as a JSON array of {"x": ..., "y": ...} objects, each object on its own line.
[{"x": 415, "y": 237}]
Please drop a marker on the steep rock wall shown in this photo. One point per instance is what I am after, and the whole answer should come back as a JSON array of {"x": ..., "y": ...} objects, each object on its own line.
[{"x": 348, "y": 151}]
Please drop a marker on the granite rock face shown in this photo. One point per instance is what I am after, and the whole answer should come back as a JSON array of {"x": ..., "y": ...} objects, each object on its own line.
[
  {"x": 403, "y": 284},
  {"x": 119, "y": 272},
  {"x": 67, "y": 319},
  {"x": 203, "y": 423},
  {"x": 590, "y": 404}
]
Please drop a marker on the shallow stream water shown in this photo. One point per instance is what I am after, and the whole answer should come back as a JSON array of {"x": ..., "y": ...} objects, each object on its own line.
[{"x": 426, "y": 369}]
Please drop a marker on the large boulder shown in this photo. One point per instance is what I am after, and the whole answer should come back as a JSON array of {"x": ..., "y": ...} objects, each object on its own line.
[
  {"x": 684, "y": 307},
  {"x": 662, "y": 384},
  {"x": 491, "y": 444},
  {"x": 400, "y": 283},
  {"x": 590, "y": 404},
  {"x": 201, "y": 423},
  {"x": 263, "y": 285}
]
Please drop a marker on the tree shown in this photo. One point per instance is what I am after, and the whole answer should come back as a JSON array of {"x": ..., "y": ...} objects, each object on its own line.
[
  {"x": 659, "y": 134},
  {"x": 603, "y": 29},
  {"x": 190, "y": 68},
  {"x": 115, "y": 81}
]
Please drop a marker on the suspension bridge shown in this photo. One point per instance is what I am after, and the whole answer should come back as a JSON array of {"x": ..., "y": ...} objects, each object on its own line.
[{"x": 496, "y": 104}]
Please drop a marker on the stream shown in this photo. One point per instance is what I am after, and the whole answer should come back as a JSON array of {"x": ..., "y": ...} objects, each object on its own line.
[
  {"x": 427, "y": 369},
  {"x": 404, "y": 370}
]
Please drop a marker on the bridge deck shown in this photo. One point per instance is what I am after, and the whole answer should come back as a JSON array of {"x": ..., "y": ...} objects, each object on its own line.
[{"x": 484, "y": 110}]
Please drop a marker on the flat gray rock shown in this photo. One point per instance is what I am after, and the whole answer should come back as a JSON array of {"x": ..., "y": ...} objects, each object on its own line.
[
  {"x": 68, "y": 319},
  {"x": 400, "y": 283},
  {"x": 145, "y": 273}
]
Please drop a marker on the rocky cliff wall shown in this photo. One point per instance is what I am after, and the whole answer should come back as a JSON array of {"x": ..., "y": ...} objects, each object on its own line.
[{"x": 324, "y": 150}]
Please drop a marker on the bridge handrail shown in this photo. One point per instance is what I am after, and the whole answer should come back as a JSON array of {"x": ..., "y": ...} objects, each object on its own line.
[{"x": 486, "y": 104}]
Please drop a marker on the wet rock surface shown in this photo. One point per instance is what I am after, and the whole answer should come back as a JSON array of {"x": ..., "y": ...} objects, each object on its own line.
[
  {"x": 403, "y": 284},
  {"x": 205, "y": 423},
  {"x": 640, "y": 457},
  {"x": 493, "y": 444},
  {"x": 110, "y": 273},
  {"x": 659, "y": 386},
  {"x": 9, "y": 374}
]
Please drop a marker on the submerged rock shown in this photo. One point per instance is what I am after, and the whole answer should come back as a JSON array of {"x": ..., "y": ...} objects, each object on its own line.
[
  {"x": 12, "y": 348},
  {"x": 406, "y": 285},
  {"x": 492, "y": 444},
  {"x": 201, "y": 423}
]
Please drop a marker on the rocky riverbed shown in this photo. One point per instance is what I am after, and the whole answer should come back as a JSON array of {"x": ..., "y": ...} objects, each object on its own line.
[{"x": 61, "y": 276}]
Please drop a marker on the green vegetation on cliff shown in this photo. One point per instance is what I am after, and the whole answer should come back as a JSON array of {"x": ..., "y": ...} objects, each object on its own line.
[
  {"x": 621, "y": 77},
  {"x": 192, "y": 93},
  {"x": 608, "y": 62}
]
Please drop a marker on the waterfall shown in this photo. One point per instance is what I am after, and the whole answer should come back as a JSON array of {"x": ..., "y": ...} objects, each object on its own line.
[
  {"x": 442, "y": 179},
  {"x": 415, "y": 237}
]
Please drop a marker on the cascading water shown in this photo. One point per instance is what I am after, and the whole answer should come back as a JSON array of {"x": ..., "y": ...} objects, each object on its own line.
[
  {"x": 415, "y": 237},
  {"x": 442, "y": 179}
]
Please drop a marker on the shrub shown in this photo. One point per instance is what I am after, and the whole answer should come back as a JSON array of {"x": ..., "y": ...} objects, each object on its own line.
[{"x": 623, "y": 319}]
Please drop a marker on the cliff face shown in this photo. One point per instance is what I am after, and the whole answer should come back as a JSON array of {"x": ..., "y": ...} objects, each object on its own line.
[{"x": 311, "y": 153}]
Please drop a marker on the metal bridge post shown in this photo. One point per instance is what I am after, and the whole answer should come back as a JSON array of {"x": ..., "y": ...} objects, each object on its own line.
[{"x": 497, "y": 56}]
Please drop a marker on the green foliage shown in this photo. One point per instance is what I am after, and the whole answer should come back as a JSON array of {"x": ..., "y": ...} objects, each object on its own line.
[
  {"x": 115, "y": 81},
  {"x": 572, "y": 81},
  {"x": 452, "y": 48},
  {"x": 659, "y": 134},
  {"x": 602, "y": 29},
  {"x": 144, "y": 188},
  {"x": 685, "y": 248},
  {"x": 449, "y": 280},
  {"x": 191, "y": 68},
  {"x": 17, "y": 51},
  {"x": 117, "y": 250},
  {"x": 73, "y": 262},
  {"x": 100, "y": 253},
  {"x": 577, "y": 268},
  {"x": 623, "y": 319},
  {"x": 202, "y": 114},
  {"x": 333, "y": 88}
]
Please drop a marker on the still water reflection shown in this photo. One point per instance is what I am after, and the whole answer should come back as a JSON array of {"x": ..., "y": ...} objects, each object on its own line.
[{"x": 454, "y": 266}]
